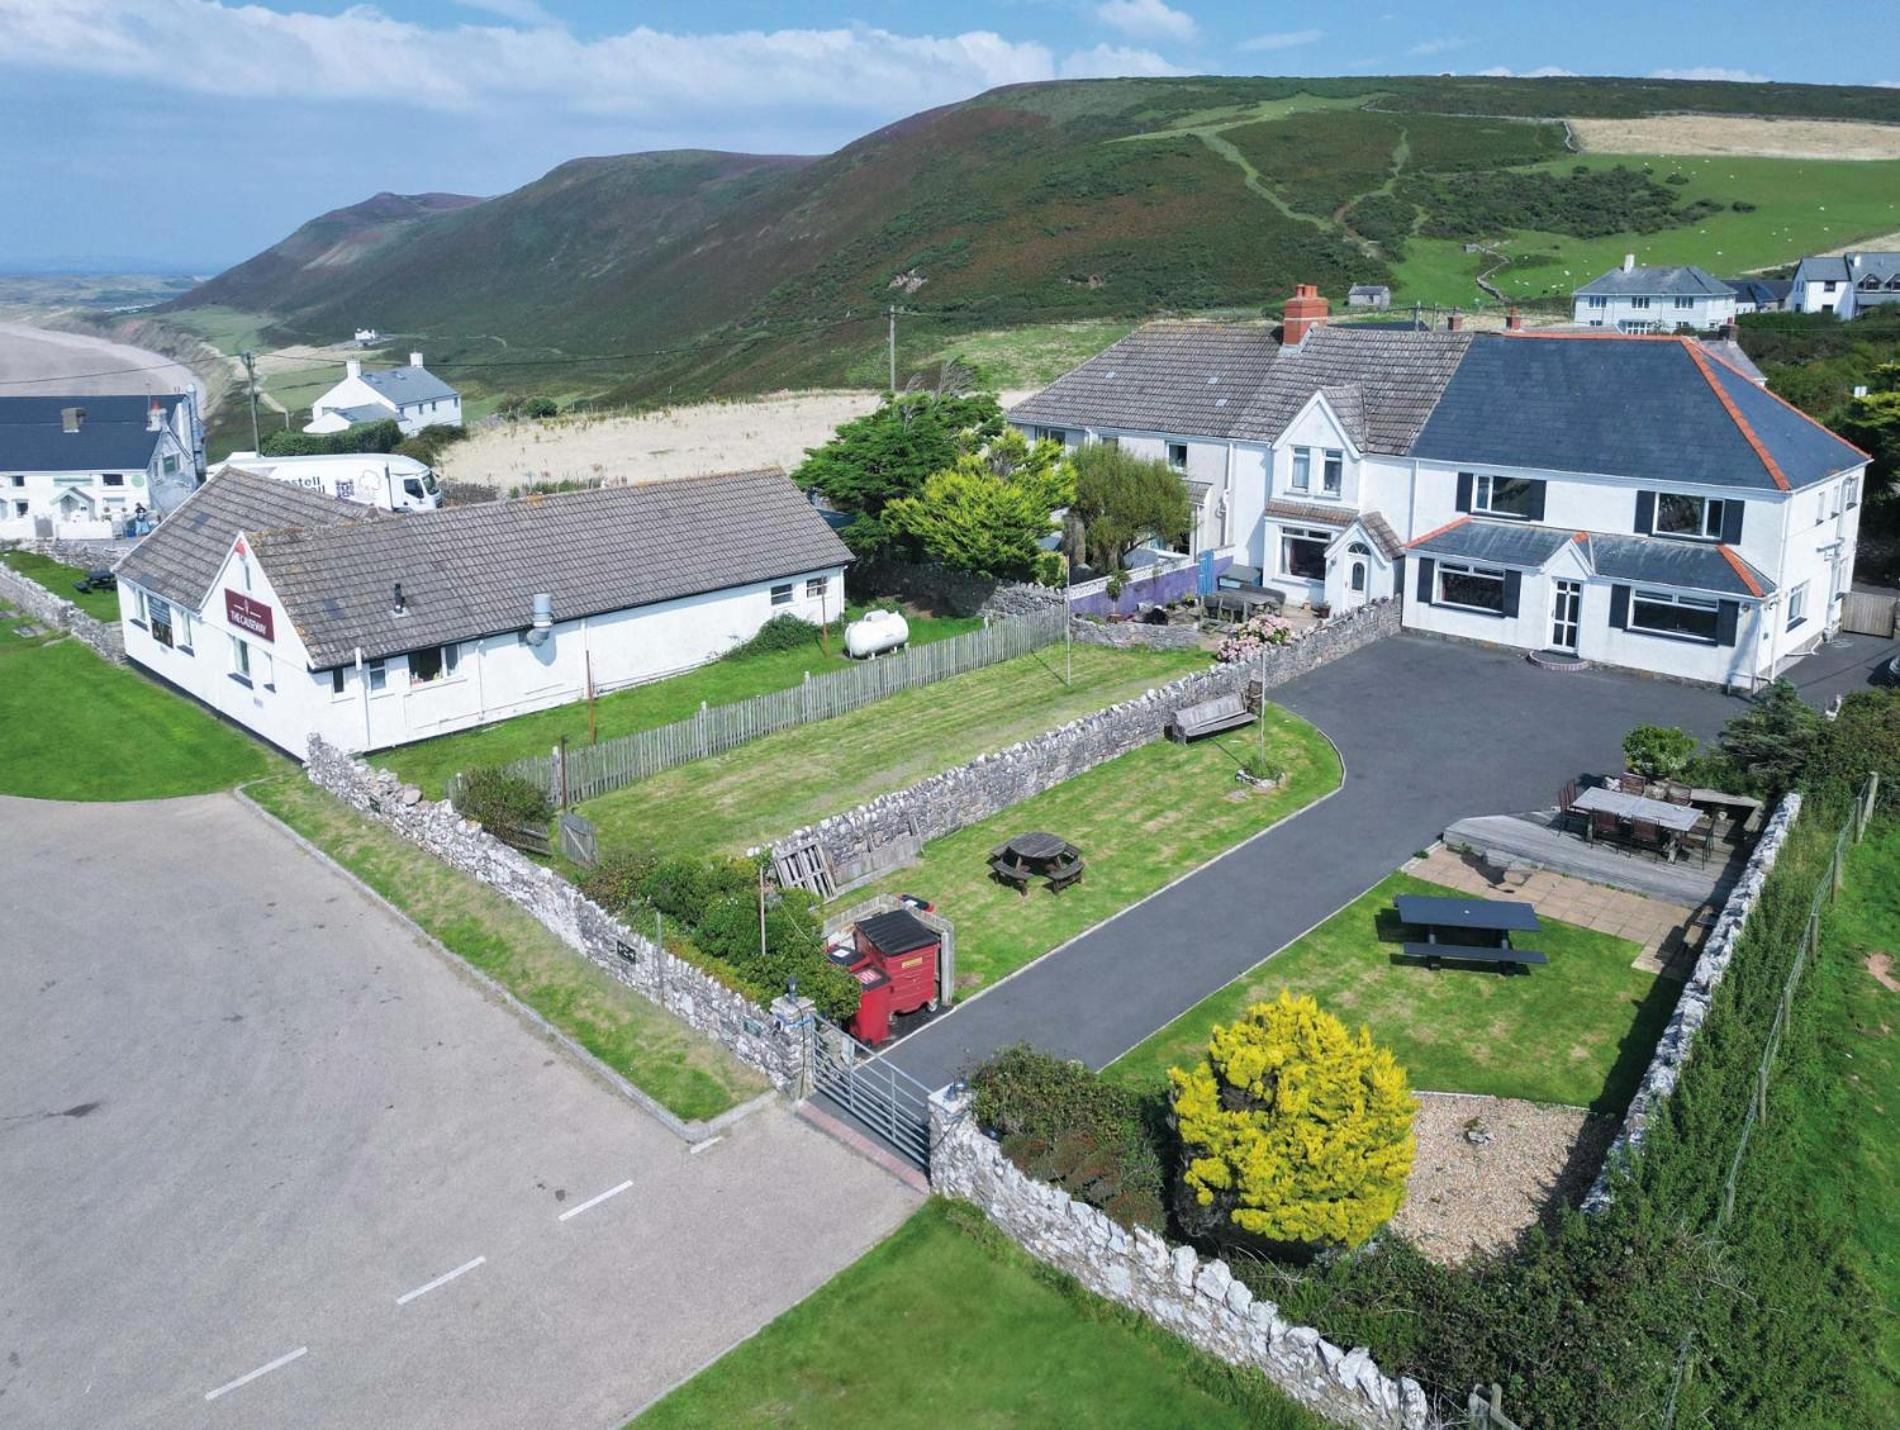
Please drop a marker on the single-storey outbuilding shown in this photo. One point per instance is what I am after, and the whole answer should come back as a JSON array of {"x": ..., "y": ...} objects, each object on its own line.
[{"x": 294, "y": 613}]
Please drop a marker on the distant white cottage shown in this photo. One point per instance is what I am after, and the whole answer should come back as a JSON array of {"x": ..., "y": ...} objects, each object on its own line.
[
  {"x": 415, "y": 397},
  {"x": 1654, "y": 300},
  {"x": 1846, "y": 284}
]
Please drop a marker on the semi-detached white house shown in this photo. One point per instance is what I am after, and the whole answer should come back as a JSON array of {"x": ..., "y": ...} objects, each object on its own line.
[
  {"x": 76, "y": 467},
  {"x": 293, "y": 613},
  {"x": 1630, "y": 501},
  {"x": 413, "y": 396}
]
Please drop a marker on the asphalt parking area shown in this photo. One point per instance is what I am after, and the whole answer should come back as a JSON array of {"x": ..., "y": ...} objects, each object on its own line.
[{"x": 266, "y": 1158}]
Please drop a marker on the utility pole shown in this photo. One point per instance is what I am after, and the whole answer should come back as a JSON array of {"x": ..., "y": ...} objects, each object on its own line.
[
  {"x": 250, "y": 371},
  {"x": 893, "y": 349},
  {"x": 1068, "y": 617}
]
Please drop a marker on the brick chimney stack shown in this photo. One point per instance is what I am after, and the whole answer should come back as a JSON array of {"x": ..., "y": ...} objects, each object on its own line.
[
  {"x": 1514, "y": 321},
  {"x": 1456, "y": 322},
  {"x": 1303, "y": 312}
]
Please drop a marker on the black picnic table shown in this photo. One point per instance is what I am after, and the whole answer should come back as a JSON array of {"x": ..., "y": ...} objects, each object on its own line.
[
  {"x": 1461, "y": 919},
  {"x": 1029, "y": 856}
]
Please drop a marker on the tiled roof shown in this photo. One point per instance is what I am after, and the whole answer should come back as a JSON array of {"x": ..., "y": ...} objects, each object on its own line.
[
  {"x": 1683, "y": 282},
  {"x": 1654, "y": 409},
  {"x": 1399, "y": 375},
  {"x": 406, "y": 385},
  {"x": 1381, "y": 532},
  {"x": 181, "y": 559},
  {"x": 1508, "y": 543},
  {"x": 468, "y": 572},
  {"x": 1691, "y": 565},
  {"x": 115, "y": 434},
  {"x": 1340, "y": 516},
  {"x": 1190, "y": 378}
]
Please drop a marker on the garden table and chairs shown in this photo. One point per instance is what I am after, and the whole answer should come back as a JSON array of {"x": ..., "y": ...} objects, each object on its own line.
[
  {"x": 1027, "y": 857},
  {"x": 1657, "y": 824}
]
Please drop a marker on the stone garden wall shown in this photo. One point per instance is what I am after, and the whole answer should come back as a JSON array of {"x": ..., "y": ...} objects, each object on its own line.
[
  {"x": 53, "y": 610},
  {"x": 1200, "y": 1301},
  {"x": 771, "y": 1042},
  {"x": 887, "y": 831},
  {"x": 958, "y": 592},
  {"x": 1692, "y": 1008},
  {"x": 1134, "y": 635}
]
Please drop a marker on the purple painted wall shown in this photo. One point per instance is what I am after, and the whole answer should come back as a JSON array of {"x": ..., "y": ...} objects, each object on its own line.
[{"x": 1147, "y": 591}]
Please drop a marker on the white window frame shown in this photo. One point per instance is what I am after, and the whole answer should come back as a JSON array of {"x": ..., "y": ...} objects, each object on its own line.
[
  {"x": 449, "y": 657},
  {"x": 1317, "y": 534},
  {"x": 817, "y": 587},
  {"x": 782, "y": 594},
  {"x": 1473, "y": 571},
  {"x": 1638, "y": 596},
  {"x": 339, "y": 682},
  {"x": 1709, "y": 523},
  {"x": 1851, "y": 493},
  {"x": 1301, "y": 477},
  {"x": 1641, "y": 304},
  {"x": 1332, "y": 472},
  {"x": 1797, "y": 605},
  {"x": 240, "y": 660},
  {"x": 1597, "y": 302},
  {"x": 378, "y": 672},
  {"x": 1685, "y": 302},
  {"x": 1178, "y": 463},
  {"x": 1484, "y": 493},
  {"x": 155, "y": 624}
]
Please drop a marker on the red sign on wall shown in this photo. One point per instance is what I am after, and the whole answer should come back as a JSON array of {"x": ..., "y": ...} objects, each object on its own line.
[{"x": 248, "y": 615}]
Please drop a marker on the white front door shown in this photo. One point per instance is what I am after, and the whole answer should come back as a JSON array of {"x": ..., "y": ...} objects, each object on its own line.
[{"x": 1566, "y": 610}]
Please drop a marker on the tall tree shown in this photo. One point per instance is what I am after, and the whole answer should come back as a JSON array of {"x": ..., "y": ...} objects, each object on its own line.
[
  {"x": 989, "y": 512},
  {"x": 1123, "y": 500},
  {"x": 890, "y": 453}
]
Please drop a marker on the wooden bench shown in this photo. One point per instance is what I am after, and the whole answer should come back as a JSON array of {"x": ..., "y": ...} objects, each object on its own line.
[
  {"x": 1504, "y": 958},
  {"x": 1224, "y": 712}
]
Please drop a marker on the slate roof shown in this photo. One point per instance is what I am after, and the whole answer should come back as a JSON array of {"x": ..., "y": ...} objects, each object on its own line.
[
  {"x": 407, "y": 385},
  {"x": 1655, "y": 409},
  {"x": 1683, "y": 282},
  {"x": 1190, "y": 378},
  {"x": 1368, "y": 290},
  {"x": 1508, "y": 543},
  {"x": 1729, "y": 351},
  {"x": 1763, "y": 292},
  {"x": 472, "y": 571},
  {"x": 1835, "y": 266},
  {"x": 181, "y": 559},
  {"x": 1657, "y": 561},
  {"x": 114, "y": 435}
]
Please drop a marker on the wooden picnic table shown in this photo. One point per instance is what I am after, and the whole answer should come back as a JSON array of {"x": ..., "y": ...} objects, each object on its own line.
[
  {"x": 1461, "y": 919},
  {"x": 1027, "y": 856}
]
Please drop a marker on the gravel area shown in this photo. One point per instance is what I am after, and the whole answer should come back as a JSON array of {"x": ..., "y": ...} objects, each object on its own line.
[
  {"x": 1464, "y": 1197},
  {"x": 1720, "y": 134}
]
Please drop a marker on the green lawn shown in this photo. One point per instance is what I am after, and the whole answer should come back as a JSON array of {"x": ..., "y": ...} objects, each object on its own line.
[
  {"x": 948, "y": 1323},
  {"x": 77, "y": 727},
  {"x": 1140, "y": 821},
  {"x": 58, "y": 578},
  {"x": 1579, "y": 1030},
  {"x": 1844, "y": 1113},
  {"x": 1801, "y": 206},
  {"x": 690, "y": 1075},
  {"x": 429, "y": 763},
  {"x": 772, "y": 786}
]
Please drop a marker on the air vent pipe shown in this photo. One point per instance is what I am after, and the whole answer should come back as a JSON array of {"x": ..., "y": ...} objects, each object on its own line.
[{"x": 543, "y": 626}]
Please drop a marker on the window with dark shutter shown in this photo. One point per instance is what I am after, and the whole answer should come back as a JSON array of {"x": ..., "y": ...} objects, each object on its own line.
[
  {"x": 1465, "y": 482},
  {"x": 1425, "y": 565},
  {"x": 1732, "y": 520},
  {"x": 1728, "y": 619},
  {"x": 1513, "y": 589},
  {"x": 1620, "y": 607},
  {"x": 1645, "y": 513}
]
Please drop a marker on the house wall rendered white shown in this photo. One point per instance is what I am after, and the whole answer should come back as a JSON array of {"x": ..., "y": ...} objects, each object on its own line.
[
  {"x": 411, "y": 417},
  {"x": 495, "y": 677},
  {"x": 1814, "y": 295},
  {"x": 27, "y": 498},
  {"x": 1662, "y": 313}
]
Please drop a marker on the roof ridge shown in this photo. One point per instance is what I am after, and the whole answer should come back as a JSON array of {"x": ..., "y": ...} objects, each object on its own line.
[
  {"x": 1701, "y": 360},
  {"x": 1741, "y": 569}
]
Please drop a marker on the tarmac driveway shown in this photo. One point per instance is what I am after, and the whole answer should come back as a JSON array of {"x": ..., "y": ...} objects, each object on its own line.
[
  {"x": 249, "y": 1122},
  {"x": 1430, "y": 732}
]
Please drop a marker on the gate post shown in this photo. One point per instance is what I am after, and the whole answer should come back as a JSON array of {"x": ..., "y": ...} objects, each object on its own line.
[{"x": 796, "y": 1019}]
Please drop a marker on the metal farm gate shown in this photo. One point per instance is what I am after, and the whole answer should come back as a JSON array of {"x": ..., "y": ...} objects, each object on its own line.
[
  {"x": 1867, "y": 614},
  {"x": 871, "y": 1092}
]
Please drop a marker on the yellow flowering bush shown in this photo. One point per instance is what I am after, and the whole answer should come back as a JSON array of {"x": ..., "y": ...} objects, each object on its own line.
[{"x": 1294, "y": 1131}]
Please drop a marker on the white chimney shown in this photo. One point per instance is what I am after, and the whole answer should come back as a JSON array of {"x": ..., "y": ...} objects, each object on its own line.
[
  {"x": 352, "y": 368},
  {"x": 1629, "y": 262},
  {"x": 1853, "y": 260},
  {"x": 155, "y": 416},
  {"x": 415, "y": 359}
]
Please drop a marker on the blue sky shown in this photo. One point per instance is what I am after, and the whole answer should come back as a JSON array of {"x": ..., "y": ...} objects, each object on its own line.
[{"x": 191, "y": 133}]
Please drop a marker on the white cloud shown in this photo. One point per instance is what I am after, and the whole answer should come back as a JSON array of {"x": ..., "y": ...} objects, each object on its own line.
[
  {"x": 521, "y": 12},
  {"x": 1541, "y": 72},
  {"x": 1711, "y": 72},
  {"x": 1147, "y": 20},
  {"x": 1116, "y": 62},
  {"x": 1440, "y": 45},
  {"x": 643, "y": 75},
  {"x": 1286, "y": 40}
]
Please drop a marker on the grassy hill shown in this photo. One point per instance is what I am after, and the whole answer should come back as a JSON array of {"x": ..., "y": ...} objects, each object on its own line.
[{"x": 1069, "y": 208}]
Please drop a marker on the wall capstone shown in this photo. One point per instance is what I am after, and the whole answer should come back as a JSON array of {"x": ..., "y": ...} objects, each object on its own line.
[
  {"x": 692, "y": 995},
  {"x": 1200, "y": 1301},
  {"x": 1698, "y": 994}
]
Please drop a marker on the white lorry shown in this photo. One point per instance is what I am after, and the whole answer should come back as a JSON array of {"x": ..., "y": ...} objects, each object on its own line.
[{"x": 373, "y": 478}]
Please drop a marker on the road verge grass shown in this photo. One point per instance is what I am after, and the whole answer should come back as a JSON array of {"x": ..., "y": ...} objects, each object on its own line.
[
  {"x": 993, "y": 1338},
  {"x": 689, "y": 1075}
]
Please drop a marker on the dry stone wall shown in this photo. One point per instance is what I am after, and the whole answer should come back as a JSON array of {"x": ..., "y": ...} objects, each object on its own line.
[
  {"x": 1200, "y": 1301},
  {"x": 51, "y": 610},
  {"x": 770, "y": 1042},
  {"x": 1135, "y": 635},
  {"x": 1692, "y": 1008},
  {"x": 887, "y": 831}
]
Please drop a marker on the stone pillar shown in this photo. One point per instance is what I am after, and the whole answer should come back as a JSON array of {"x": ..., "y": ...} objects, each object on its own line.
[
  {"x": 949, "y": 1111},
  {"x": 796, "y": 1019}
]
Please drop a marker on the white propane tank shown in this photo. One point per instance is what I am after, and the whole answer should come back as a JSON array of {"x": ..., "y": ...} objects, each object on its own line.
[{"x": 875, "y": 632}]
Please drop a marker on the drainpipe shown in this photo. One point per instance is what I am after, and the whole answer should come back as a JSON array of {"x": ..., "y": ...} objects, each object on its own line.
[
  {"x": 1227, "y": 511},
  {"x": 362, "y": 685}
]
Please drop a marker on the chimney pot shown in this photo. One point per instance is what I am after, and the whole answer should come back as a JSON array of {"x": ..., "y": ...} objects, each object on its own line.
[
  {"x": 1629, "y": 262},
  {"x": 353, "y": 368},
  {"x": 1514, "y": 320},
  {"x": 1303, "y": 312},
  {"x": 71, "y": 418},
  {"x": 155, "y": 416},
  {"x": 415, "y": 359},
  {"x": 1456, "y": 322}
]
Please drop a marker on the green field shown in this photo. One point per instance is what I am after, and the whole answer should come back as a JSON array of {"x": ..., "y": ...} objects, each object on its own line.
[
  {"x": 58, "y": 578},
  {"x": 429, "y": 763},
  {"x": 947, "y": 1323},
  {"x": 77, "y": 727},
  {"x": 1802, "y": 206},
  {"x": 1141, "y": 821},
  {"x": 691, "y": 1076},
  {"x": 772, "y": 786},
  {"x": 1578, "y": 1030}
]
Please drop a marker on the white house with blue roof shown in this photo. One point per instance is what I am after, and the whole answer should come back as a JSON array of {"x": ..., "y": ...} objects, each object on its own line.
[
  {"x": 1584, "y": 496},
  {"x": 1846, "y": 284},
  {"x": 1654, "y": 300},
  {"x": 415, "y": 397},
  {"x": 75, "y": 468}
]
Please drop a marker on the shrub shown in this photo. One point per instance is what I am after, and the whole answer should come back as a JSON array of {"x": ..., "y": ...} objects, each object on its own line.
[
  {"x": 1863, "y": 737},
  {"x": 1775, "y": 739},
  {"x": 1259, "y": 630},
  {"x": 1051, "y": 569},
  {"x": 1295, "y": 1134},
  {"x": 779, "y": 633},
  {"x": 1257, "y": 766},
  {"x": 498, "y": 800},
  {"x": 1115, "y": 585},
  {"x": 1659, "y": 751},
  {"x": 540, "y": 407},
  {"x": 1064, "y": 1123},
  {"x": 364, "y": 437},
  {"x": 1123, "y": 500},
  {"x": 616, "y": 882},
  {"x": 684, "y": 887}
]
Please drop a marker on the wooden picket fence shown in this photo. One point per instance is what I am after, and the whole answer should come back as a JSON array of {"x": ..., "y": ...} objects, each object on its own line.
[{"x": 583, "y": 772}]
